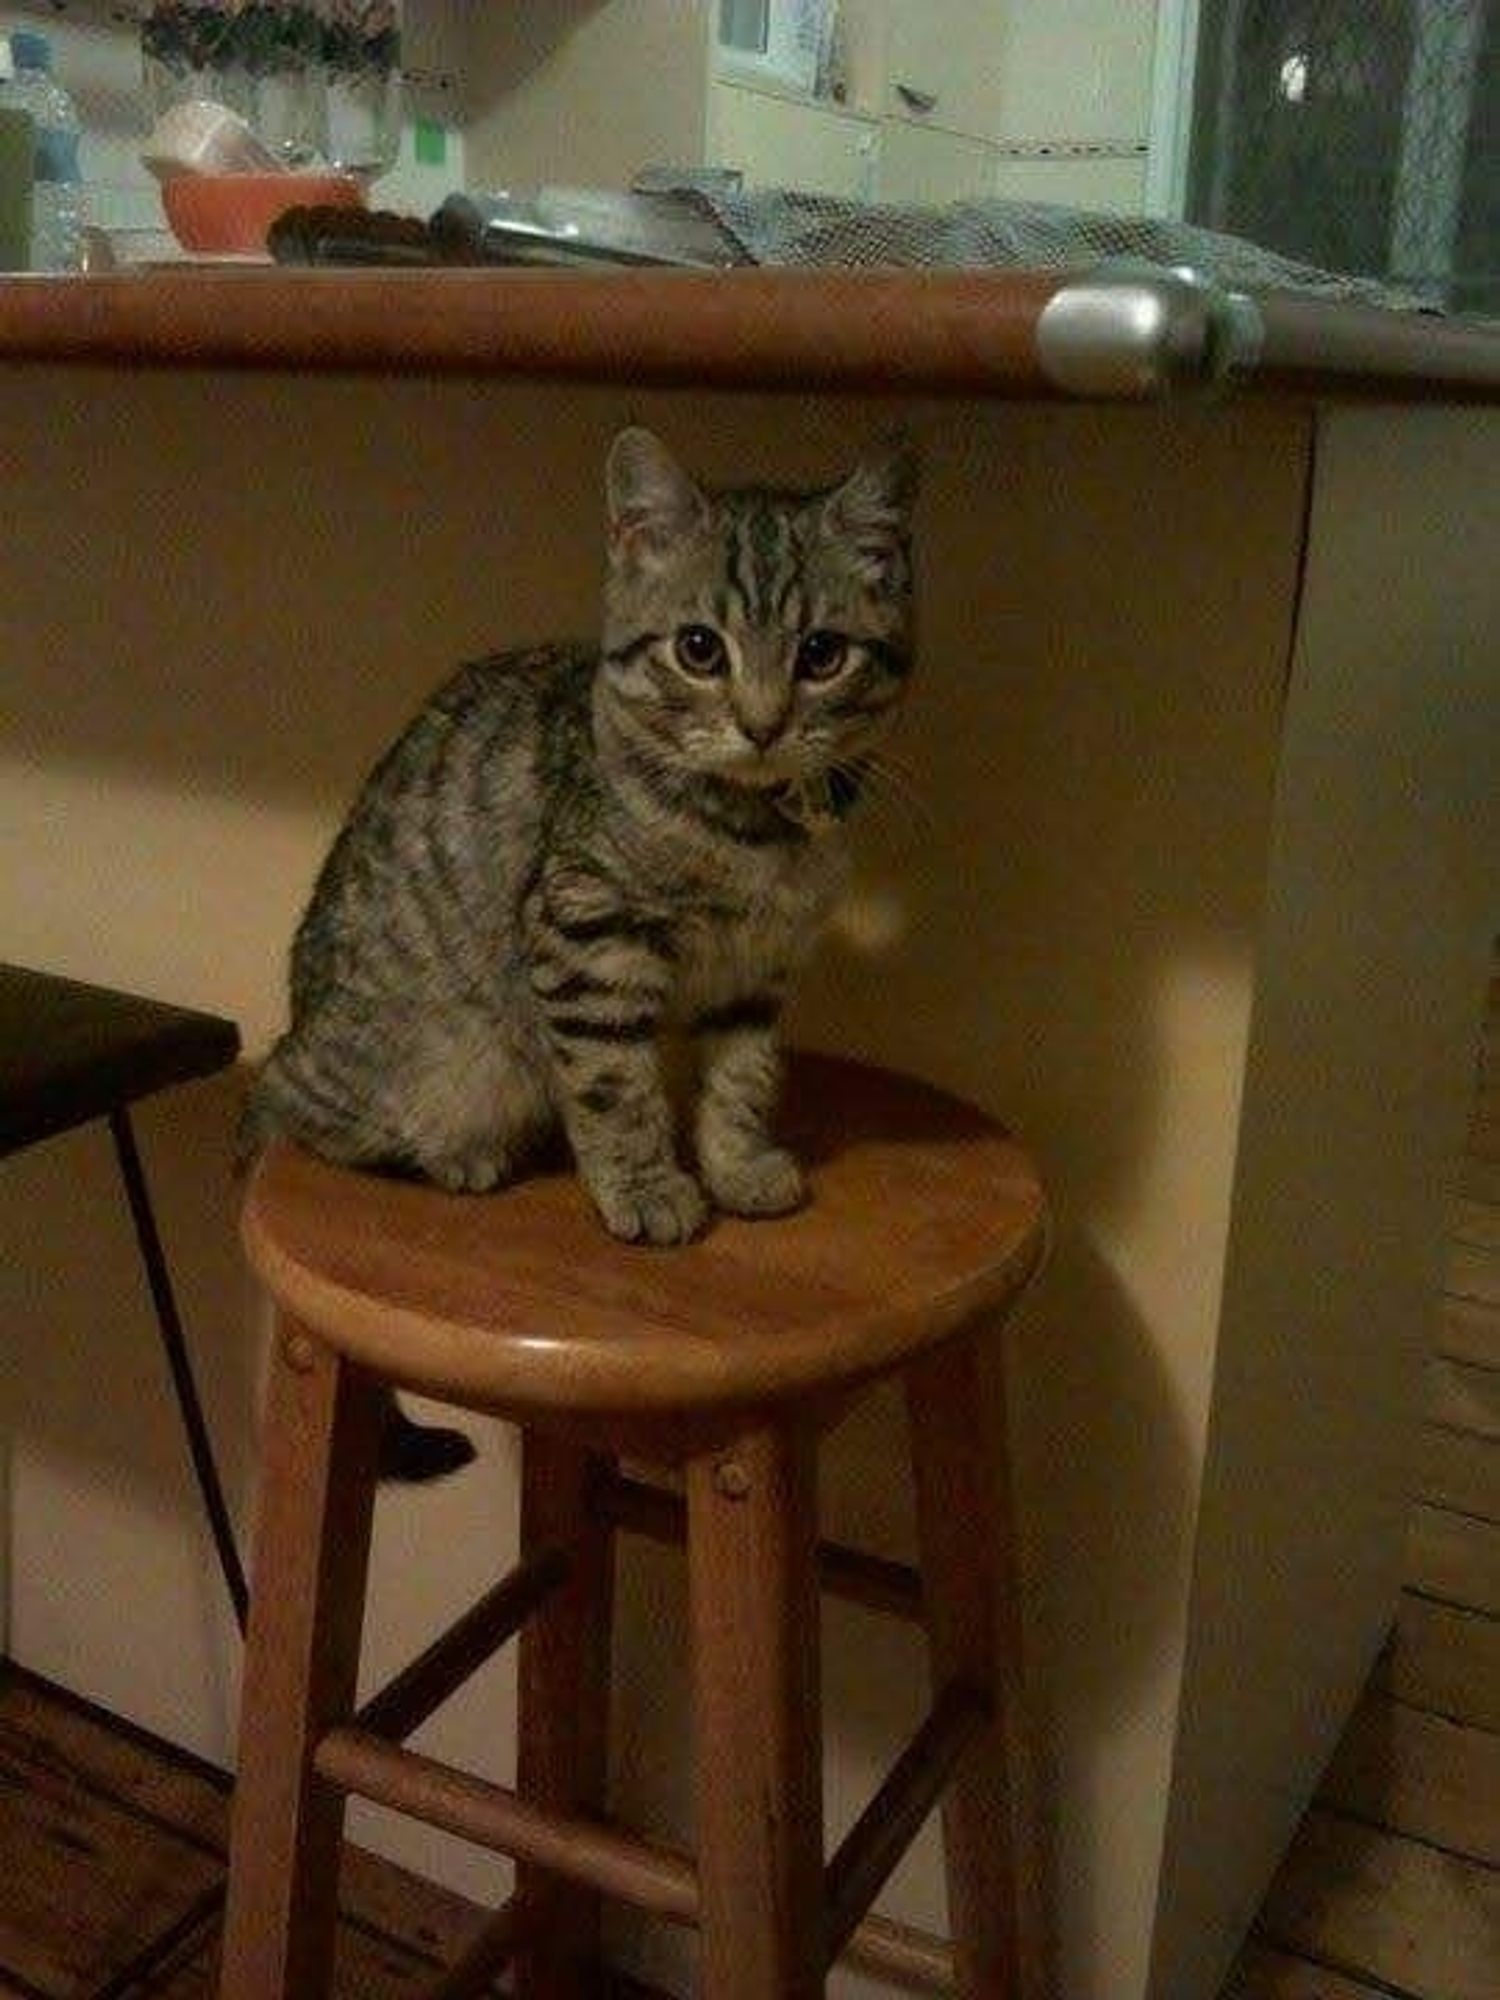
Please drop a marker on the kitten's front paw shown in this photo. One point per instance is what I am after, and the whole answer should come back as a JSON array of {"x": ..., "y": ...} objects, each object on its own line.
[
  {"x": 664, "y": 1207},
  {"x": 768, "y": 1183}
]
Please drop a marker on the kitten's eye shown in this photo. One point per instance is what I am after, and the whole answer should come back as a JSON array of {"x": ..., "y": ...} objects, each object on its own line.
[
  {"x": 821, "y": 654},
  {"x": 700, "y": 651}
]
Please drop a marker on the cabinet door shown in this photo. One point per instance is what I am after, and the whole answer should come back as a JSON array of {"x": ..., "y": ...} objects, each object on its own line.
[
  {"x": 943, "y": 65},
  {"x": 921, "y": 165},
  {"x": 783, "y": 142},
  {"x": 1114, "y": 186},
  {"x": 1024, "y": 69}
]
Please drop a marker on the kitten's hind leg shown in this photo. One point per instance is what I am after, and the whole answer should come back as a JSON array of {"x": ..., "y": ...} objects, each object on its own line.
[
  {"x": 315, "y": 1088},
  {"x": 471, "y": 1104}
]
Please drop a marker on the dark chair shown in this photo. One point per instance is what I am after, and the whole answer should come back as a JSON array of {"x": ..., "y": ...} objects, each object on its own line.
[{"x": 71, "y": 1053}]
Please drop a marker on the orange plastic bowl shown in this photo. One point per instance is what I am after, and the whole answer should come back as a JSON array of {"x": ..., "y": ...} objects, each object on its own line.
[{"x": 228, "y": 215}]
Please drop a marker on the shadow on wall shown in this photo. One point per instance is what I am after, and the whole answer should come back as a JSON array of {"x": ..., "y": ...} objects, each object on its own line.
[
  {"x": 312, "y": 569},
  {"x": 522, "y": 40}
]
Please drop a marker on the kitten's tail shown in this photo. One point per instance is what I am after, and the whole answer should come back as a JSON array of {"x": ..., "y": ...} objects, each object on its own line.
[{"x": 413, "y": 1454}]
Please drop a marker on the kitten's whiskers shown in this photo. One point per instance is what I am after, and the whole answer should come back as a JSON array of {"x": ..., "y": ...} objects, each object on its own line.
[{"x": 886, "y": 783}]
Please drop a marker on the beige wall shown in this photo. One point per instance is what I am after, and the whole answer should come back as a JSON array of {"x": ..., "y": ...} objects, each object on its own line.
[
  {"x": 220, "y": 600},
  {"x": 585, "y": 92},
  {"x": 785, "y": 142},
  {"x": 1028, "y": 70},
  {"x": 589, "y": 91}
]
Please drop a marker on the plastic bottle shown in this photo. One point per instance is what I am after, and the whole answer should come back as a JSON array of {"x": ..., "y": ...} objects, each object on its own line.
[
  {"x": 17, "y": 165},
  {"x": 57, "y": 196}
]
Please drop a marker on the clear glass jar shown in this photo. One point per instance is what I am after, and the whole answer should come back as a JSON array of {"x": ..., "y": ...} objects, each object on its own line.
[
  {"x": 282, "y": 49},
  {"x": 361, "y": 47},
  {"x": 191, "y": 50}
]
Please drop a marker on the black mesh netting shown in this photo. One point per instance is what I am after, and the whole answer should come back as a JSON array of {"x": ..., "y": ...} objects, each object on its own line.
[{"x": 782, "y": 226}]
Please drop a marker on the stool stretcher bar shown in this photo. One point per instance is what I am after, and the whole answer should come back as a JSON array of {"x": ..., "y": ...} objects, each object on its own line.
[
  {"x": 917, "y": 1960},
  {"x": 888, "y": 1825},
  {"x": 472, "y": 1975},
  {"x": 365, "y": 1759},
  {"x": 490, "y": 1815},
  {"x": 420, "y": 1689},
  {"x": 659, "y": 1879},
  {"x": 876, "y": 1582}
]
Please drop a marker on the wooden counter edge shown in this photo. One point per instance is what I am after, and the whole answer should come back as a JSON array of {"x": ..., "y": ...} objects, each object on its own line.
[{"x": 909, "y": 332}]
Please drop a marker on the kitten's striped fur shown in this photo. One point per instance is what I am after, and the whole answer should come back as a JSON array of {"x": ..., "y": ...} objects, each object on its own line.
[{"x": 570, "y": 852}]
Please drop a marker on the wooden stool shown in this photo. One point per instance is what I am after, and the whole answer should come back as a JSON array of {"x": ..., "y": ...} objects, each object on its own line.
[{"x": 727, "y": 1358}]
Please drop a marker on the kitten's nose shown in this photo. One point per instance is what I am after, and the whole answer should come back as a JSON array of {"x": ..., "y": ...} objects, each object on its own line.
[
  {"x": 761, "y": 734},
  {"x": 761, "y": 715}
]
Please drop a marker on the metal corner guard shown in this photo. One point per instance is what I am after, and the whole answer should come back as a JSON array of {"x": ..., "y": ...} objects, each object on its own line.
[{"x": 1139, "y": 331}]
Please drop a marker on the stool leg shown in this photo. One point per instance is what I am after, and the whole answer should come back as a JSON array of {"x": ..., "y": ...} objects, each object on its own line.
[
  {"x": 562, "y": 1755},
  {"x": 991, "y": 1826},
  {"x": 317, "y": 1490},
  {"x": 752, "y": 1574}
]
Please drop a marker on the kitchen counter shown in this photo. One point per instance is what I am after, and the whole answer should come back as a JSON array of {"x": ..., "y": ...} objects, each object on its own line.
[{"x": 1191, "y": 879}]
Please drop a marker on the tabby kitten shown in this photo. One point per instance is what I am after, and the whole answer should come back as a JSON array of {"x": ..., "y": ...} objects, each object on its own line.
[{"x": 570, "y": 852}]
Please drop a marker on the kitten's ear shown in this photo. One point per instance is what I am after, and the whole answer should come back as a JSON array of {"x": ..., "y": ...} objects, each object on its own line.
[
  {"x": 653, "y": 505},
  {"x": 871, "y": 512}
]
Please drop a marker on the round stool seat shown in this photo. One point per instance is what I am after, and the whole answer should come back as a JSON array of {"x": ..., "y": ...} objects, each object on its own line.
[{"x": 922, "y": 1212}]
